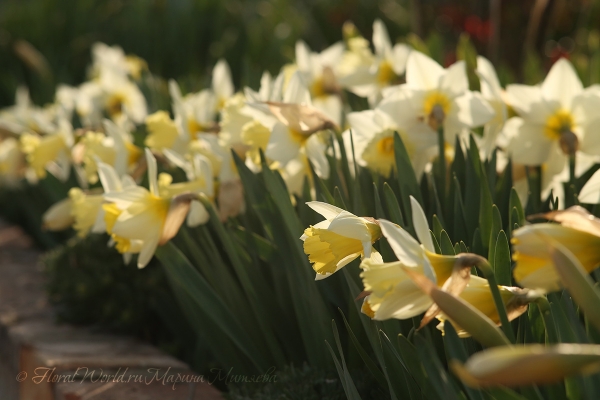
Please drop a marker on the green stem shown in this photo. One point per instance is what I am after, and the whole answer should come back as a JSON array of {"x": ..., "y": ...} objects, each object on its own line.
[
  {"x": 441, "y": 162},
  {"x": 485, "y": 267},
  {"x": 572, "y": 169}
]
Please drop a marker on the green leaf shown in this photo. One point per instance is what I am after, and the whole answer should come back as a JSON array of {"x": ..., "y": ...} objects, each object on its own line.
[
  {"x": 393, "y": 207},
  {"x": 466, "y": 51},
  {"x": 184, "y": 276},
  {"x": 369, "y": 363},
  {"x": 436, "y": 373},
  {"x": 437, "y": 227},
  {"x": 493, "y": 235},
  {"x": 456, "y": 351},
  {"x": 417, "y": 43},
  {"x": 446, "y": 244},
  {"x": 351, "y": 391},
  {"x": 487, "y": 216},
  {"x": 402, "y": 383},
  {"x": 460, "y": 223},
  {"x": 502, "y": 261},
  {"x": 345, "y": 378},
  {"x": 379, "y": 213}
]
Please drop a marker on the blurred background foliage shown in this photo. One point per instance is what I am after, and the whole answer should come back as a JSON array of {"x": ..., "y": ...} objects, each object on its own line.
[{"x": 47, "y": 42}]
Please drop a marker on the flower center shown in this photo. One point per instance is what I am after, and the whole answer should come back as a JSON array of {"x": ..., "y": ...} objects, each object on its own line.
[
  {"x": 435, "y": 108},
  {"x": 385, "y": 146},
  {"x": 558, "y": 123},
  {"x": 298, "y": 137},
  {"x": 386, "y": 74},
  {"x": 559, "y": 126},
  {"x": 114, "y": 105}
]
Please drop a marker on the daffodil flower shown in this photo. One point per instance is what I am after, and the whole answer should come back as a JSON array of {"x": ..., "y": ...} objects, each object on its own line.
[
  {"x": 297, "y": 129},
  {"x": 194, "y": 113},
  {"x": 556, "y": 117},
  {"x": 441, "y": 97},
  {"x": 113, "y": 59},
  {"x": 366, "y": 74},
  {"x": 339, "y": 239},
  {"x": 49, "y": 152},
  {"x": 392, "y": 293},
  {"x": 373, "y": 136},
  {"x": 578, "y": 231},
  {"x": 24, "y": 116},
  {"x": 319, "y": 73},
  {"x": 136, "y": 216},
  {"x": 478, "y": 294}
]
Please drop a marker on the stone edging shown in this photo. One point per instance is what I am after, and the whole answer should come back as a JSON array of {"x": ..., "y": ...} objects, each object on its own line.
[{"x": 40, "y": 360}]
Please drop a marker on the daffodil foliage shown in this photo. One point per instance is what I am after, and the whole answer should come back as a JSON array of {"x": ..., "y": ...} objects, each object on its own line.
[{"x": 450, "y": 232}]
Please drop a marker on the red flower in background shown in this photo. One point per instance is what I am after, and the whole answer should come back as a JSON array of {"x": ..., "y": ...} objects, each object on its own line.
[{"x": 477, "y": 28}]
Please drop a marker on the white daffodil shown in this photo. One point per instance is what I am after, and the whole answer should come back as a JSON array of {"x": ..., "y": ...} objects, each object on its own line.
[
  {"x": 233, "y": 120},
  {"x": 493, "y": 93},
  {"x": 24, "y": 116},
  {"x": 578, "y": 231},
  {"x": 318, "y": 72},
  {"x": 112, "y": 59},
  {"x": 195, "y": 113},
  {"x": 441, "y": 97},
  {"x": 256, "y": 133},
  {"x": 113, "y": 95},
  {"x": 393, "y": 294},
  {"x": 554, "y": 117},
  {"x": 136, "y": 216},
  {"x": 373, "y": 136},
  {"x": 162, "y": 132},
  {"x": 115, "y": 148},
  {"x": 297, "y": 129},
  {"x": 49, "y": 152},
  {"x": 365, "y": 73},
  {"x": 339, "y": 239},
  {"x": 85, "y": 209}
]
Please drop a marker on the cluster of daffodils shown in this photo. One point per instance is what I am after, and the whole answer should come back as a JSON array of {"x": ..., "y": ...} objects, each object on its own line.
[{"x": 289, "y": 124}]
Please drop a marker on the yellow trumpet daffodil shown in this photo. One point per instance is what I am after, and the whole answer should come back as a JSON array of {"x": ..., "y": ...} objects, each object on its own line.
[
  {"x": 136, "y": 216},
  {"x": 339, "y": 239},
  {"x": 578, "y": 231}
]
